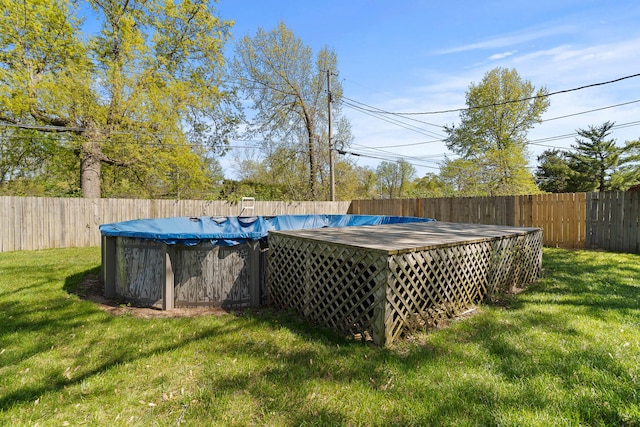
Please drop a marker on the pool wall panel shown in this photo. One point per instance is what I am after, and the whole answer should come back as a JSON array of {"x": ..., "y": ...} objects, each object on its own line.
[
  {"x": 205, "y": 275},
  {"x": 139, "y": 270},
  {"x": 208, "y": 275}
]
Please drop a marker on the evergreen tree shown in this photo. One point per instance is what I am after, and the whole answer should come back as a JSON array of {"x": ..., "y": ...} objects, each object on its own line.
[
  {"x": 554, "y": 175},
  {"x": 595, "y": 158}
]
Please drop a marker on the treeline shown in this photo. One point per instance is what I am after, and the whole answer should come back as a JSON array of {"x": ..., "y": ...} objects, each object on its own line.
[{"x": 147, "y": 105}]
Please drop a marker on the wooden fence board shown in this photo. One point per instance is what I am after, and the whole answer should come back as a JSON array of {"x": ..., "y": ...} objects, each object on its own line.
[
  {"x": 31, "y": 223},
  {"x": 605, "y": 206},
  {"x": 634, "y": 237},
  {"x": 626, "y": 226},
  {"x": 581, "y": 213},
  {"x": 15, "y": 206},
  {"x": 593, "y": 220}
]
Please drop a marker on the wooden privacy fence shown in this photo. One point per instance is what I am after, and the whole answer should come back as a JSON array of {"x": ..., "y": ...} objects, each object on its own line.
[
  {"x": 570, "y": 220},
  {"x": 612, "y": 221},
  {"x": 28, "y": 223},
  {"x": 561, "y": 216},
  {"x": 606, "y": 220}
]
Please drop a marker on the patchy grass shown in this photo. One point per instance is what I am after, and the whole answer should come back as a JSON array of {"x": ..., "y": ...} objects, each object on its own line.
[{"x": 564, "y": 352}]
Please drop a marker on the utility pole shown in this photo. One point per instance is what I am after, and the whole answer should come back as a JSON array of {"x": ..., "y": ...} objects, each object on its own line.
[{"x": 332, "y": 177}]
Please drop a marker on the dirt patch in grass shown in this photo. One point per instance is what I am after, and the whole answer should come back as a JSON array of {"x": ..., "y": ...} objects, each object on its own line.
[{"x": 91, "y": 289}]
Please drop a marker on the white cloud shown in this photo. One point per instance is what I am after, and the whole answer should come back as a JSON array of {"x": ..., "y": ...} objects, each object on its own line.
[
  {"x": 502, "y": 55},
  {"x": 512, "y": 39}
]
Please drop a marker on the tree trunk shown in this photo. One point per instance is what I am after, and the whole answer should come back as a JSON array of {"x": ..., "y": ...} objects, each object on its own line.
[
  {"x": 312, "y": 167},
  {"x": 90, "y": 164}
]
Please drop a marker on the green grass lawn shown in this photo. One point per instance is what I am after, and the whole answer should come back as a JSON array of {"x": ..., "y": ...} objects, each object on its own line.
[{"x": 564, "y": 352}]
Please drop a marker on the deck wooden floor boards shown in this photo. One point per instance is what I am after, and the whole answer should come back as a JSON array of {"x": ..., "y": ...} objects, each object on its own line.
[{"x": 398, "y": 238}]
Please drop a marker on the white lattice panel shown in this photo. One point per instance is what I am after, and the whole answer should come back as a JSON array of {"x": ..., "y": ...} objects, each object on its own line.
[{"x": 366, "y": 291}]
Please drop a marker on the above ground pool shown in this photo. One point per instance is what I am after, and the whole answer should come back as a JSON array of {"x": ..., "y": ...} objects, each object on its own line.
[{"x": 203, "y": 261}]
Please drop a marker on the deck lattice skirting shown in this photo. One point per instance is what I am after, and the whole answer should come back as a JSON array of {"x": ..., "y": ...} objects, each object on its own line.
[{"x": 375, "y": 281}]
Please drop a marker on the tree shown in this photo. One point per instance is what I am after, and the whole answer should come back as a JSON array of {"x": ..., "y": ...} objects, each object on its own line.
[
  {"x": 142, "y": 97},
  {"x": 354, "y": 182},
  {"x": 287, "y": 87},
  {"x": 428, "y": 186},
  {"x": 595, "y": 164},
  {"x": 554, "y": 175},
  {"x": 367, "y": 183},
  {"x": 595, "y": 157},
  {"x": 492, "y": 133},
  {"x": 282, "y": 166},
  {"x": 34, "y": 164},
  {"x": 21, "y": 152},
  {"x": 628, "y": 174},
  {"x": 394, "y": 178},
  {"x": 463, "y": 177}
]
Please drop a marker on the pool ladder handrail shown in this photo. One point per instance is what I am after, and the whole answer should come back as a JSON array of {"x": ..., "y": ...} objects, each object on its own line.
[{"x": 244, "y": 206}]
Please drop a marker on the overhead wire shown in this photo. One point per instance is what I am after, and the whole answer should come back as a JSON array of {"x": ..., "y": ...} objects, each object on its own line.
[
  {"x": 429, "y": 158},
  {"x": 396, "y": 122},
  {"x": 372, "y": 109},
  {"x": 591, "y": 111},
  {"x": 533, "y": 142},
  {"x": 540, "y": 141},
  {"x": 397, "y": 158},
  {"x": 382, "y": 114},
  {"x": 512, "y": 101}
]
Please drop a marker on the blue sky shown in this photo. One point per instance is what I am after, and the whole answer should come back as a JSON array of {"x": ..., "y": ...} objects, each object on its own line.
[{"x": 421, "y": 56}]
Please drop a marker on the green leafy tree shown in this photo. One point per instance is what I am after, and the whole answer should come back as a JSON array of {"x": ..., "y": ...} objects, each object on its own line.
[
  {"x": 430, "y": 185},
  {"x": 502, "y": 108},
  {"x": 236, "y": 190},
  {"x": 394, "y": 178},
  {"x": 288, "y": 89},
  {"x": 21, "y": 153},
  {"x": 354, "y": 182},
  {"x": 35, "y": 164},
  {"x": 367, "y": 183},
  {"x": 142, "y": 97},
  {"x": 463, "y": 177},
  {"x": 628, "y": 174}
]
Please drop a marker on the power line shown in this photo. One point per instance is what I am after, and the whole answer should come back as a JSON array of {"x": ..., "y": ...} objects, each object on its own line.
[
  {"x": 545, "y": 95},
  {"x": 396, "y": 122},
  {"x": 412, "y": 144},
  {"x": 428, "y": 158},
  {"x": 540, "y": 141},
  {"x": 590, "y": 111},
  {"x": 534, "y": 142},
  {"x": 391, "y": 156},
  {"x": 398, "y": 158},
  {"x": 377, "y": 110}
]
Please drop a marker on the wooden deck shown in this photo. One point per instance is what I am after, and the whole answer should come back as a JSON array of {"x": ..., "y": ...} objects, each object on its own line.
[
  {"x": 381, "y": 281},
  {"x": 410, "y": 237}
]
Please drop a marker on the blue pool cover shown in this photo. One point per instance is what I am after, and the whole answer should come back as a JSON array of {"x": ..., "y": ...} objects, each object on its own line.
[{"x": 229, "y": 231}]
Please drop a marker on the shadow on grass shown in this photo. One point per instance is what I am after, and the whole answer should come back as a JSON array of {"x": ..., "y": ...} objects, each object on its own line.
[
  {"x": 531, "y": 358},
  {"x": 526, "y": 347},
  {"x": 114, "y": 351},
  {"x": 596, "y": 282},
  {"x": 72, "y": 284}
]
